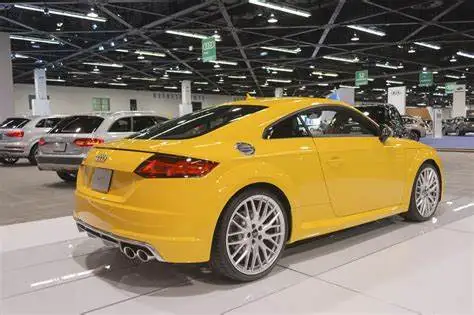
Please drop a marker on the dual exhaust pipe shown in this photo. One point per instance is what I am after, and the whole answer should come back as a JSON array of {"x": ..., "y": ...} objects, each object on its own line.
[{"x": 132, "y": 253}]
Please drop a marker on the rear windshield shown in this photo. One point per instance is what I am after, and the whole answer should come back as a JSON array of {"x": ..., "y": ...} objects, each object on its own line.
[
  {"x": 10, "y": 123},
  {"x": 376, "y": 113},
  {"x": 198, "y": 123},
  {"x": 78, "y": 124}
]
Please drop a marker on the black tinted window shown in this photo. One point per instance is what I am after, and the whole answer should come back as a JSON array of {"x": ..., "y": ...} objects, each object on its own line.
[
  {"x": 47, "y": 123},
  {"x": 143, "y": 122},
  {"x": 198, "y": 123},
  {"x": 291, "y": 127},
  {"x": 122, "y": 125},
  {"x": 376, "y": 113},
  {"x": 78, "y": 124},
  {"x": 14, "y": 123}
]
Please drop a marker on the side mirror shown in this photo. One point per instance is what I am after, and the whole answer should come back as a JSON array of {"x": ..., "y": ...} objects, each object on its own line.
[{"x": 385, "y": 133}]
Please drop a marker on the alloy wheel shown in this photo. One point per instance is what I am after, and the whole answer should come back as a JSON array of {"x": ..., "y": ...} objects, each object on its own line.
[
  {"x": 427, "y": 192},
  {"x": 255, "y": 234}
]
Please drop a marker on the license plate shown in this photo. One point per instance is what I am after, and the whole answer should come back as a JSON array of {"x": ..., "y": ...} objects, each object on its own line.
[
  {"x": 101, "y": 180},
  {"x": 59, "y": 147}
]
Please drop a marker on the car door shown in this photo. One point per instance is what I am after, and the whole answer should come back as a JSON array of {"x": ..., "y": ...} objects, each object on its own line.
[{"x": 361, "y": 172}]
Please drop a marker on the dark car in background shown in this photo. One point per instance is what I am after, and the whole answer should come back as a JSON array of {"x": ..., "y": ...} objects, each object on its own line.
[
  {"x": 458, "y": 125},
  {"x": 385, "y": 114}
]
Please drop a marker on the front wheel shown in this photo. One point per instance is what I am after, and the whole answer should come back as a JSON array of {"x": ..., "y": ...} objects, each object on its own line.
[
  {"x": 8, "y": 160},
  {"x": 33, "y": 154},
  {"x": 67, "y": 176},
  {"x": 425, "y": 195},
  {"x": 250, "y": 236}
]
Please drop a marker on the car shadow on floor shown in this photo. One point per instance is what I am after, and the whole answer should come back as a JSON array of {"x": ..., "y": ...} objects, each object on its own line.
[
  {"x": 61, "y": 185},
  {"x": 18, "y": 164}
]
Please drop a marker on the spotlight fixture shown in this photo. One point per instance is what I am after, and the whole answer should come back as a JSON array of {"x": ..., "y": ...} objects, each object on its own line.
[
  {"x": 272, "y": 19},
  {"x": 367, "y": 30},
  {"x": 61, "y": 12},
  {"x": 453, "y": 59},
  {"x": 35, "y": 39},
  {"x": 92, "y": 13},
  {"x": 411, "y": 50},
  {"x": 355, "y": 38},
  {"x": 140, "y": 57},
  {"x": 280, "y": 49},
  {"x": 281, "y": 8}
]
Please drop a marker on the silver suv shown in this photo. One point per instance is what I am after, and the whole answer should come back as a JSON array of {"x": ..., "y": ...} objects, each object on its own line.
[
  {"x": 65, "y": 146},
  {"x": 19, "y": 136},
  {"x": 416, "y": 127}
]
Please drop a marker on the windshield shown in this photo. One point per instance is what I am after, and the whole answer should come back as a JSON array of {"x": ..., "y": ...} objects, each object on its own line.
[
  {"x": 78, "y": 124},
  {"x": 198, "y": 123},
  {"x": 11, "y": 123},
  {"x": 376, "y": 113}
]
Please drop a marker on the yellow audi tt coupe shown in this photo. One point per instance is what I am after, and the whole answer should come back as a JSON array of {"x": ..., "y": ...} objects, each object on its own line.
[{"x": 233, "y": 184}]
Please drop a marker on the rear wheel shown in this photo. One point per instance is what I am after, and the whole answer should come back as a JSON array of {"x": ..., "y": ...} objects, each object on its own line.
[
  {"x": 425, "y": 194},
  {"x": 251, "y": 236},
  {"x": 67, "y": 176},
  {"x": 8, "y": 160},
  {"x": 33, "y": 154},
  {"x": 414, "y": 135}
]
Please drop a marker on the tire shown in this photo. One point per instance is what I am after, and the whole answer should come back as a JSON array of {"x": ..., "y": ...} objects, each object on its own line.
[
  {"x": 445, "y": 133},
  {"x": 8, "y": 160},
  {"x": 67, "y": 176},
  {"x": 32, "y": 156},
  {"x": 254, "y": 249},
  {"x": 414, "y": 135},
  {"x": 426, "y": 178}
]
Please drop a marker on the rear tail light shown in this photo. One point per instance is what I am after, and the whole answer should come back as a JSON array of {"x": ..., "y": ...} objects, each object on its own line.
[
  {"x": 15, "y": 134},
  {"x": 41, "y": 142},
  {"x": 172, "y": 166},
  {"x": 88, "y": 142}
]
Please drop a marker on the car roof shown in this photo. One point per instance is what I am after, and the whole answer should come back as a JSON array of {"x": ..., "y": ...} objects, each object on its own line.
[{"x": 290, "y": 103}]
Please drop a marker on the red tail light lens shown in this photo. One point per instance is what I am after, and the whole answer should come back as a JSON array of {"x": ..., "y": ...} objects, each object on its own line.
[
  {"x": 41, "y": 142},
  {"x": 15, "y": 134},
  {"x": 172, "y": 166},
  {"x": 88, "y": 142}
]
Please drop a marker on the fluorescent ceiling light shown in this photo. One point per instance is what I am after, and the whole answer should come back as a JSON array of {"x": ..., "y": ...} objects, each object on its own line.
[
  {"x": 78, "y": 72},
  {"x": 143, "y": 78},
  {"x": 394, "y": 82},
  {"x": 171, "y": 87},
  {"x": 61, "y": 12},
  {"x": 223, "y": 62},
  {"x": 20, "y": 56},
  {"x": 280, "y": 49},
  {"x": 99, "y": 82},
  {"x": 326, "y": 74},
  {"x": 379, "y": 90},
  {"x": 155, "y": 86},
  {"x": 385, "y": 65},
  {"x": 322, "y": 84},
  {"x": 452, "y": 76},
  {"x": 354, "y": 60},
  {"x": 122, "y": 50},
  {"x": 35, "y": 39},
  {"x": 465, "y": 54},
  {"x": 179, "y": 71},
  {"x": 367, "y": 30},
  {"x": 117, "y": 84},
  {"x": 237, "y": 77},
  {"x": 441, "y": 87},
  {"x": 201, "y": 82},
  {"x": 348, "y": 86},
  {"x": 192, "y": 35},
  {"x": 149, "y": 53},
  {"x": 278, "y": 69},
  {"x": 279, "y": 80},
  {"x": 103, "y": 64},
  {"x": 432, "y": 46},
  {"x": 56, "y": 80},
  {"x": 370, "y": 79},
  {"x": 278, "y": 7}
]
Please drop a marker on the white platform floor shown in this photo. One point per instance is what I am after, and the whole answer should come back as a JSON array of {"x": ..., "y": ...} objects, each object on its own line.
[{"x": 385, "y": 267}]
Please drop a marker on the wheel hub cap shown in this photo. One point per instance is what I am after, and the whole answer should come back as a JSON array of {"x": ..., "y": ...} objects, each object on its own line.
[{"x": 427, "y": 192}]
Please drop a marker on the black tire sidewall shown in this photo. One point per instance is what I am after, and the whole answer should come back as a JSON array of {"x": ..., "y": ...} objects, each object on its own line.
[
  {"x": 66, "y": 176},
  {"x": 32, "y": 156},
  {"x": 219, "y": 257}
]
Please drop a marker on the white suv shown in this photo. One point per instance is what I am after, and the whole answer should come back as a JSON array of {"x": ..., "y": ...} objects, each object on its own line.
[
  {"x": 19, "y": 136},
  {"x": 65, "y": 146}
]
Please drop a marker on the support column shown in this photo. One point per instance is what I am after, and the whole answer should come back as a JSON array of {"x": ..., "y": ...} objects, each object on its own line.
[
  {"x": 459, "y": 101},
  {"x": 6, "y": 78},
  {"x": 186, "y": 105},
  {"x": 40, "y": 104},
  {"x": 278, "y": 92}
]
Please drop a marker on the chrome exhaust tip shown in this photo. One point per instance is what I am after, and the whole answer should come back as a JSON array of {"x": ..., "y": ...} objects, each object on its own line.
[
  {"x": 143, "y": 256},
  {"x": 129, "y": 252}
]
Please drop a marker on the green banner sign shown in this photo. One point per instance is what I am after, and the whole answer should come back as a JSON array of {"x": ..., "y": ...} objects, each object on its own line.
[
  {"x": 450, "y": 87},
  {"x": 209, "y": 49},
  {"x": 426, "y": 78},
  {"x": 361, "y": 77}
]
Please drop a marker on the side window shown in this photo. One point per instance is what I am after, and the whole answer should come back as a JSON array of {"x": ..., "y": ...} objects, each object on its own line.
[
  {"x": 121, "y": 125},
  {"x": 41, "y": 124},
  {"x": 291, "y": 127},
  {"x": 143, "y": 122},
  {"x": 47, "y": 123},
  {"x": 337, "y": 122}
]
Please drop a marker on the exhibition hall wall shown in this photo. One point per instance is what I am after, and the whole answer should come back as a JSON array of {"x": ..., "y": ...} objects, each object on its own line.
[{"x": 73, "y": 100}]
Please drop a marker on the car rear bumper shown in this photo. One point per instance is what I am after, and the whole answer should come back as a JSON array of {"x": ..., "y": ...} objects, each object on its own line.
[
  {"x": 13, "y": 149},
  {"x": 59, "y": 162}
]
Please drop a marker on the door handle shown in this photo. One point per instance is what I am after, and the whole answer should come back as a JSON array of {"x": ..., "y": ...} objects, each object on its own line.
[{"x": 335, "y": 161}]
